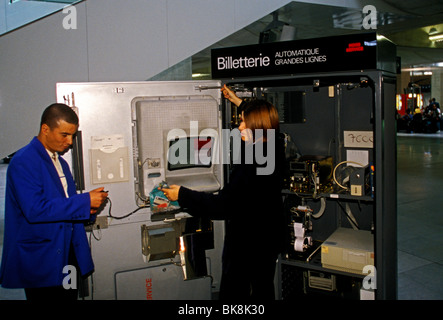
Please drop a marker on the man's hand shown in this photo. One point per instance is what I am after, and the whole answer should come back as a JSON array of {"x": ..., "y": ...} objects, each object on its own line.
[{"x": 98, "y": 197}]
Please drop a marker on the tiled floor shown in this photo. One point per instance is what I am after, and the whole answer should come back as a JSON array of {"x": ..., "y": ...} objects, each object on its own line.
[{"x": 420, "y": 218}]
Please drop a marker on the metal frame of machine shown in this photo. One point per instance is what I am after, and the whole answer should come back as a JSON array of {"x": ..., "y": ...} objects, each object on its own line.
[
  {"x": 335, "y": 98},
  {"x": 338, "y": 105}
]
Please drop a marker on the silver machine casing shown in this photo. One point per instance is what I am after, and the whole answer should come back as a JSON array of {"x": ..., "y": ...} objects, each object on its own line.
[{"x": 121, "y": 112}]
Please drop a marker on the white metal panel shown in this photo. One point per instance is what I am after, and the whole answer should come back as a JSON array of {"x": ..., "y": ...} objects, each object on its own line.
[{"x": 104, "y": 109}]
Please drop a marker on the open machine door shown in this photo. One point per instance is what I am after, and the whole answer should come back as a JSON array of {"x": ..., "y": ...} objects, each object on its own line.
[{"x": 125, "y": 136}]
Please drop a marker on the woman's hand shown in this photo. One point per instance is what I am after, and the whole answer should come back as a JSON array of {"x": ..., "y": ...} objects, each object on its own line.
[
  {"x": 172, "y": 192},
  {"x": 230, "y": 95}
]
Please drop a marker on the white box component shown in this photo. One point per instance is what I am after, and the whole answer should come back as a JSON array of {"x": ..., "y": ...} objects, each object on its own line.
[{"x": 348, "y": 250}]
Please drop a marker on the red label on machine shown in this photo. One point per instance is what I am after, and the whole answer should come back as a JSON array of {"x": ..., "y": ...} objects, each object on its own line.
[{"x": 148, "y": 289}]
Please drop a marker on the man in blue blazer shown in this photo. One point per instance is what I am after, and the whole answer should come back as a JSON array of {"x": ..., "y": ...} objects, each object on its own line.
[{"x": 44, "y": 215}]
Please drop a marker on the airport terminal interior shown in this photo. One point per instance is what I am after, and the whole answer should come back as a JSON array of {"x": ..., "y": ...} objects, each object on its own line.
[{"x": 417, "y": 30}]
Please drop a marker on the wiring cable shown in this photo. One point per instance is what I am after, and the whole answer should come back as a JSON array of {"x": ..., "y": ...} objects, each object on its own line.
[
  {"x": 322, "y": 208},
  {"x": 349, "y": 215},
  {"x": 99, "y": 231},
  {"x": 126, "y": 215}
]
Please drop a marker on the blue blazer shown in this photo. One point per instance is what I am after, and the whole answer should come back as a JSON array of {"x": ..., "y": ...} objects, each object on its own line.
[{"x": 41, "y": 223}]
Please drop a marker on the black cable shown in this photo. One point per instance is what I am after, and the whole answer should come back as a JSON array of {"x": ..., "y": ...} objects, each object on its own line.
[
  {"x": 347, "y": 215},
  {"x": 121, "y": 217}
]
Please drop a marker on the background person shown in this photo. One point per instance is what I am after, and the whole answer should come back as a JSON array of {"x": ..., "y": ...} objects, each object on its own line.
[{"x": 44, "y": 215}]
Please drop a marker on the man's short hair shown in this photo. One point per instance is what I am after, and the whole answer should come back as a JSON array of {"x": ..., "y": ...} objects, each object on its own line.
[{"x": 56, "y": 112}]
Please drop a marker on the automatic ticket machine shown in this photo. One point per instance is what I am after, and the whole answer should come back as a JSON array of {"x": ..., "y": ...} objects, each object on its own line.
[
  {"x": 144, "y": 247},
  {"x": 336, "y": 101}
]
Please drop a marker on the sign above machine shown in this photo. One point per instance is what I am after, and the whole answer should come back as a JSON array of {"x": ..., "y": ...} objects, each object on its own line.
[{"x": 338, "y": 53}]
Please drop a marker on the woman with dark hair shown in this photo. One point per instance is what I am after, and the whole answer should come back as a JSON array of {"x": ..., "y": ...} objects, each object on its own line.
[{"x": 251, "y": 205}]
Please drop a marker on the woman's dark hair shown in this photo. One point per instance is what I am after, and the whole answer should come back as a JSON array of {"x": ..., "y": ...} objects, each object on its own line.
[
  {"x": 261, "y": 114},
  {"x": 56, "y": 112}
]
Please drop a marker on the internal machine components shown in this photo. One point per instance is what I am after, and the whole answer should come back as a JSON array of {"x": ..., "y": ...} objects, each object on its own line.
[
  {"x": 301, "y": 242},
  {"x": 310, "y": 175},
  {"x": 301, "y": 217},
  {"x": 189, "y": 238},
  {"x": 355, "y": 178}
]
